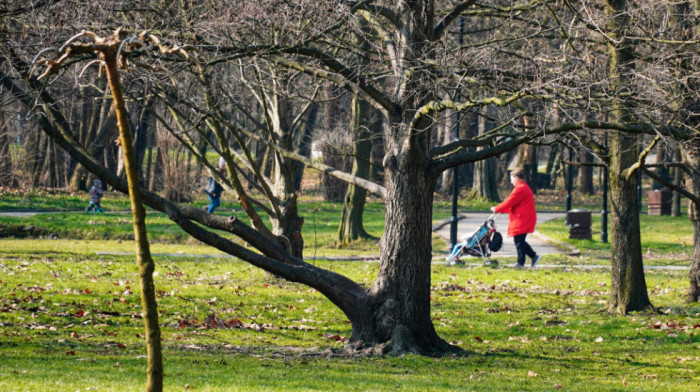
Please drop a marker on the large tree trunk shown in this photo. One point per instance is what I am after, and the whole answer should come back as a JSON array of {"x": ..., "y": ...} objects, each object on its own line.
[
  {"x": 692, "y": 107},
  {"x": 628, "y": 291},
  {"x": 691, "y": 156},
  {"x": 401, "y": 293}
]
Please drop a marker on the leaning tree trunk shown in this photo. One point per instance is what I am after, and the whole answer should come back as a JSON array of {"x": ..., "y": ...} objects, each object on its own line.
[{"x": 145, "y": 262}]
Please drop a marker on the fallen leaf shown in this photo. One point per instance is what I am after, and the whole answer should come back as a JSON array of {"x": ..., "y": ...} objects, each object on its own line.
[
  {"x": 531, "y": 374},
  {"x": 234, "y": 323}
]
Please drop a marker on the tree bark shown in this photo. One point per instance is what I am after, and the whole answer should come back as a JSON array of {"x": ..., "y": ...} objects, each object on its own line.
[
  {"x": 586, "y": 173},
  {"x": 691, "y": 155},
  {"x": 628, "y": 290},
  {"x": 677, "y": 179},
  {"x": 145, "y": 262},
  {"x": 6, "y": 172},
  {"x": 351, "y": 227},
  {"x": 401, "y": 292},
  {"x": 485, "y": 181}
]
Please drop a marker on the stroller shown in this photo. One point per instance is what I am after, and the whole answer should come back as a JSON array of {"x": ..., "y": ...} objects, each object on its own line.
[{"x": 480, "y": 243}]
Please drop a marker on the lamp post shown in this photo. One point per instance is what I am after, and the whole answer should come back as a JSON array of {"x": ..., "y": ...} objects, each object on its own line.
[
  {"x": 570, "y": 179},
  {"x": 455, "y": 170},
  {"x": 604, "y": 213}
]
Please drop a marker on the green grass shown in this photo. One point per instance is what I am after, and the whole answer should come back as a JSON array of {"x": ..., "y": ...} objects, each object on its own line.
[
  {"x": 71, "y": 322},
  {"x": 50, "y": 200},
  {"x": 70, "y": 315},
  {"x": 666, "y": 240}
]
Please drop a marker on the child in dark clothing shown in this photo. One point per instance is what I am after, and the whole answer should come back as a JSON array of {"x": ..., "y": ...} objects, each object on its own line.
[{"x": 95, "y": 196}]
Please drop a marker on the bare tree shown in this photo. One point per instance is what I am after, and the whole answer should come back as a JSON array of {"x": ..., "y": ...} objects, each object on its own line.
[
  {"x": 108, "y": 50},
  {"x": 517, "y": 57}
]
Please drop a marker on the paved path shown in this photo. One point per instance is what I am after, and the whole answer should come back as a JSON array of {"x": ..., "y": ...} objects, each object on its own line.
[{"x": 470, "y": 221}]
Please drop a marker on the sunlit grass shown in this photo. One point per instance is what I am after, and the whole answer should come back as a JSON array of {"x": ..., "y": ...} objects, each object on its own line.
[{"x": 70, "y": 321}]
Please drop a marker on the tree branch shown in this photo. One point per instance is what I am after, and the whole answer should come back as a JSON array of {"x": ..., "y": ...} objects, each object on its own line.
[
  {"x": 629, "y": 172},
  {"x": 442, "y": 26}
]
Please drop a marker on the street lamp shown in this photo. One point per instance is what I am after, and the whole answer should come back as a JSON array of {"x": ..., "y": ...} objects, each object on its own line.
[
  {"x": 455, "y": 170},
  {"x": 604, "y": 213},
  {"x": 570, "y": 179}
]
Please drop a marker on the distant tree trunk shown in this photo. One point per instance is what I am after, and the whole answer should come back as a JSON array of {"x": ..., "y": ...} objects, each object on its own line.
[
  {"x": 351, "y": 227},
  {"x": 149, "y": 168},
  {"x": 38, "y": 159},
  {"x": 530, "y": 160},
  {"x": 143, "y": 123},
  {"x": 51, "y": 165},
  {"x": 98, "y": 128},
  {"x": 305, "y": 141},
  {"x": 5, "y": 158},
  {"x": 677, "y": 180},
  {"x": 552, "y": 165},
  {"x": 628, "y": 291},
  {"x": 586, "y": 173},
  {"x": 485, "y": 182},
  {"x": 446, "y": 135}
]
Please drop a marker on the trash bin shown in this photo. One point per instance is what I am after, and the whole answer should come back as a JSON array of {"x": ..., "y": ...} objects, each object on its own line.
[
  {"x": 579, "y": 222},
  {"x": 660, "y": 202}
]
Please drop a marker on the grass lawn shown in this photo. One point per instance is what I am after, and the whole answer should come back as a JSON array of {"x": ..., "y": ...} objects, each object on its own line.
[
  {"x": 70, "y": 316},
  {"x": 72, "y": 322}
]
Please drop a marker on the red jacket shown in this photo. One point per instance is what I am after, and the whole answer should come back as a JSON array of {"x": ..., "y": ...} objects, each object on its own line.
[{"x": 520, "y": 204}]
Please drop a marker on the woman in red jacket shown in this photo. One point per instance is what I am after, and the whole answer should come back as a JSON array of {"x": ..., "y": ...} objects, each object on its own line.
[{"x": 520, "y": 205}]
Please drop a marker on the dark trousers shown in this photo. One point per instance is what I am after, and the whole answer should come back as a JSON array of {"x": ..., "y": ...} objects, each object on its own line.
[{"x": 523, "y": 248}]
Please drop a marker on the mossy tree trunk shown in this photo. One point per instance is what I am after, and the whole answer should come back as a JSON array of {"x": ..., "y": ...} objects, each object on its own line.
[
  {"x": 351, "y": 227},
  {"x": 628, "y": 291}
]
